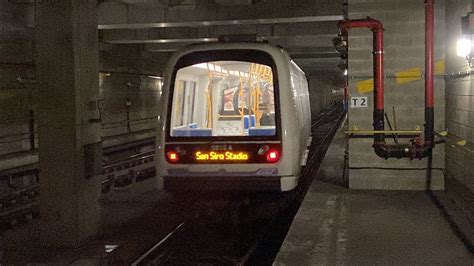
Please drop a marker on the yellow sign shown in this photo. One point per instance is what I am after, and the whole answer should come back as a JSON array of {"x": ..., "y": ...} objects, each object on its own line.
[
  {"x": 439, "y": 67},
  {"x": 365, "y": 86},
  {"x": 409, "y": 75},
  {"x": 221, "y": 156}
]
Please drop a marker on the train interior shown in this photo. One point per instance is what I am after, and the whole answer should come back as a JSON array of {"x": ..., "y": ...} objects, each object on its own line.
[{"x": 223, "y": 98}]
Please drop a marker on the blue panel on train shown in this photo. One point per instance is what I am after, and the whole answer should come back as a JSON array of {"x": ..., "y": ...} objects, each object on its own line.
[
  {"x": 246, "y": 121},
  {"x": 261, "y": 131},
  {"x": 203, "y": 132}
]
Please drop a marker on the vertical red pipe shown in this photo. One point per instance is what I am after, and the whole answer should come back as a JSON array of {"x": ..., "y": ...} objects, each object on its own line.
[
  {"x": 378, "y": 67},
  {"x": 378, "y": 114},
  {"x": 412, "y": 150},
  {"x": 429, "y": 51},
  {"x": 377, "y": 28},
  {"x": 429, "y": 77}
]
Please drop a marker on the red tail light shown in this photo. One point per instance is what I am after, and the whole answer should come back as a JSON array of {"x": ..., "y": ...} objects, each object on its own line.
[
  {"x": 273, "y": 156},
  {"x": 172, "y": 157}
]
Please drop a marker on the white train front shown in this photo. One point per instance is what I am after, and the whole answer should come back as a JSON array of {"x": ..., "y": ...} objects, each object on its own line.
[{"x": 235, "y": 116}]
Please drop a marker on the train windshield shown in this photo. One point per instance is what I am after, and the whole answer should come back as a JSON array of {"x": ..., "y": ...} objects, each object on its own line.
[{"x": 223, "y": 98}]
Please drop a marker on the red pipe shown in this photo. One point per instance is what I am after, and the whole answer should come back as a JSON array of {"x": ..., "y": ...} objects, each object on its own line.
[
  {"x": 377, "y": 27},
  {"x": 378, "y": 65},
  {"x": 370, "y": 23},
  {"x": 429, "y": 77},
  {"x": 417, "y": 148},
  {"x": 429, "y": 51}
]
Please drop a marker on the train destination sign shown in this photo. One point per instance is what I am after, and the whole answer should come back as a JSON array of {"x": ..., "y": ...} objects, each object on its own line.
[{"x": 221, "y": 156}]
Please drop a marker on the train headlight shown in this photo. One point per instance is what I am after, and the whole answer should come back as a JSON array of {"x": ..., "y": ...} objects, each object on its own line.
[
  {"x": 172, "y": 157},
  {"x": 273, "y": 156}
]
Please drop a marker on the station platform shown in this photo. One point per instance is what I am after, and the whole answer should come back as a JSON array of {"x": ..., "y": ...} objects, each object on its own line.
[{"x": 339, "y": 226}]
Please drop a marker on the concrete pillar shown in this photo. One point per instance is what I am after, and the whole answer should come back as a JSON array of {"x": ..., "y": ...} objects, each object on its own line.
[{"x": 69, "y": 125}]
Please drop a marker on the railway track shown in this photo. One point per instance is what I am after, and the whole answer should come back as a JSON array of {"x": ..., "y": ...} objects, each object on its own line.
[
  {"x": 247, "y": 229},
  {"x": 241, "y": 229},
  {"x": 323, "y": 132},
  {"x": 152, "y": 255}
]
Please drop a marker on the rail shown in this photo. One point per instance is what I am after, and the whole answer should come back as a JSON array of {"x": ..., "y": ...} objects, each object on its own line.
[
  {"x": 237, "y": 239},
  {"x": 148, "y": 256}
]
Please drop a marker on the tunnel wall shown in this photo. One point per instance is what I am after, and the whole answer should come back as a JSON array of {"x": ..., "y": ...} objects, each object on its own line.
[
  {"x": 403, "y": 21},
  {"x": 459, "y": 119},
  {"x": 142, "y": 93},
  {"x": 322, "y": 93},
  {"x": 17, "y": 99},
  {"x": 19, "y": 96}
]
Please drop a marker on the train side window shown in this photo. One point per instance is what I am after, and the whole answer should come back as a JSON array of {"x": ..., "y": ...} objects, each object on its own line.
[
  {"x": 295, "y": 88},
  {"x": 183, "y": 102}
]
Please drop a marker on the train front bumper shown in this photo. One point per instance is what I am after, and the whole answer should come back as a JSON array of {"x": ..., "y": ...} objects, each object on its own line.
[{"x": 229, "y": 183}]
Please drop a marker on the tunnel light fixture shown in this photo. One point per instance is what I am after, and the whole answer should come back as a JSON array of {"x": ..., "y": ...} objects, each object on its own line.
[
  {"x": 464, "y": 43},
  {"x": 110, "y": 248},
  {"x": 463, "y": 47},
  {"x": 155, "y": 77},
  {"x": 345, "y": 72}
]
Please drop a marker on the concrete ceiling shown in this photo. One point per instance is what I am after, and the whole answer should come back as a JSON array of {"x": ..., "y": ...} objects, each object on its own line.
[
  {"x": 139, "y": 35},
  {"x": 305, "y": 28}
]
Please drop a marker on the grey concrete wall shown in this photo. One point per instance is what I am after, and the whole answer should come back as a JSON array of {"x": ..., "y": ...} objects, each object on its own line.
[
  {"x": 16, "y": 53},
  {"x": 67, "y": 66},
  {"x": 404, "y": 49},
  {"x": 197, "y": 10},
  {"x": 143, "y": 92},
  {"x": 459, "y": 118},
  {"x": 18, "y": 98}
]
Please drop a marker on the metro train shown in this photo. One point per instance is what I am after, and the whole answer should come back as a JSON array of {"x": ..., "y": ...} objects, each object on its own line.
[{"x": 235, "y": 116}]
